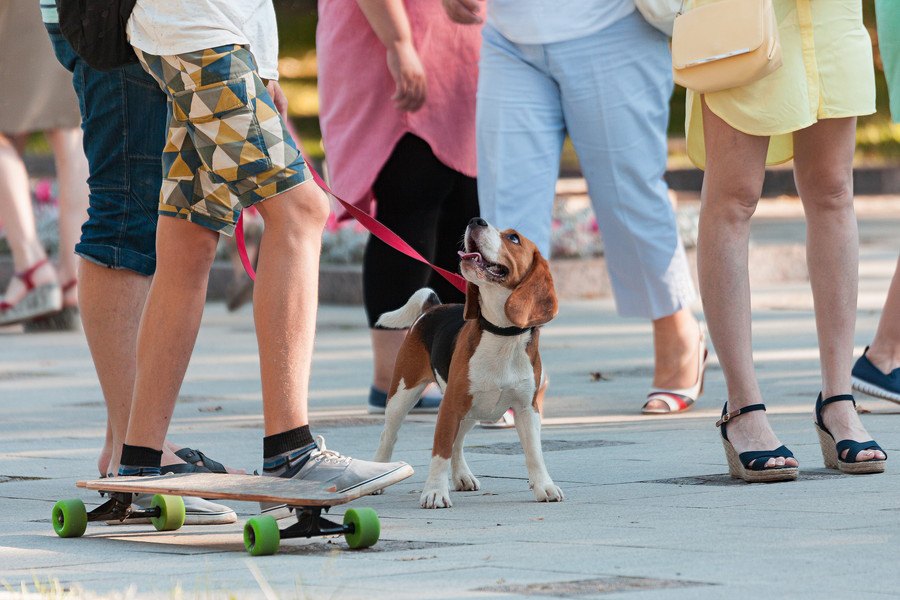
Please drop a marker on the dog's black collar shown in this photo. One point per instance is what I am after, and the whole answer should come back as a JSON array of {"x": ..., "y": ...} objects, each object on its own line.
[{"x": 505, "y": 331}]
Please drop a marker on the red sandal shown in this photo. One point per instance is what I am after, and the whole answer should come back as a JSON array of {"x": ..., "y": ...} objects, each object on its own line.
[{"x": 39, "y": 300}]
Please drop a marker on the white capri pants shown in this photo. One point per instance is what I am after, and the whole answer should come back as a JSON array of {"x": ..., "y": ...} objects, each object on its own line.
[{"x": 610, "y": 91}]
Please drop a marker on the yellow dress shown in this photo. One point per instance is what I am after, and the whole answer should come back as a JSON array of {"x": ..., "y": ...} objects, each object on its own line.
[{"x": 827, "y": 73}]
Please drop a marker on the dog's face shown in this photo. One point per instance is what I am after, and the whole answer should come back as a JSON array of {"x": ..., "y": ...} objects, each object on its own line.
[{"x": 507, "y": 265}]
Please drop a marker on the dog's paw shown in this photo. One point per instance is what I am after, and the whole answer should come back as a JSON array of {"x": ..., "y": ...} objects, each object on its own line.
[
  {"x": 547, "y": 492},
  {"x": 435, "y": 499},
  {"x": 466, "y": 482},
  {"x": 377, "y": 492}
]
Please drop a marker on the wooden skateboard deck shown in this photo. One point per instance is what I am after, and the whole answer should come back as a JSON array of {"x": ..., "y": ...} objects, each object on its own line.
[
  {"x": 213, "y": 486},
  {"x": 307, "y": 500}
]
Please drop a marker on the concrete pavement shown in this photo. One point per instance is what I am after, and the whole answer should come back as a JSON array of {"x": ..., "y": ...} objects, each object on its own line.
[{"x": 649, "y": 510}]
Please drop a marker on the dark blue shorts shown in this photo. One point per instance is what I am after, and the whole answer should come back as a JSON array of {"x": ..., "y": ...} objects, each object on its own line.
[{"x": 124, "y": 120}]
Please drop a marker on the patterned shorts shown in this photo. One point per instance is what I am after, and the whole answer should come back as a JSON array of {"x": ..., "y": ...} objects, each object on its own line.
[{"x": 227, "y": 146}]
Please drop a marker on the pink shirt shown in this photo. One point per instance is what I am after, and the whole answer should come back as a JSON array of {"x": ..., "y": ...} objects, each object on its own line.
[{"x": 360, "y": 125}]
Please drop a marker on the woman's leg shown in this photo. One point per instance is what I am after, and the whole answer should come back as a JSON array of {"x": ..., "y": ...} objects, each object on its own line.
[
  {"x": 72, "y": 172},
  {"x": 18, "y": 221},
  {"x": 823, "y": 168},
  {"x": 622, "y": 148},
  {"x": 885, "y": 349},
  {"x": 460, "y": 207},
  {"x": 731, "y": 188},
  {"x": 409, "y": 192}
]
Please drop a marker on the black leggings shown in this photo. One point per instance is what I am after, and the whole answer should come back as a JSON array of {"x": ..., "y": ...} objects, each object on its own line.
[{"x": 428, "y": 204}]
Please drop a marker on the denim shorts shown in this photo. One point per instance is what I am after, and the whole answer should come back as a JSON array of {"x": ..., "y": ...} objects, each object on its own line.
[
  {"x": 124, "y": 121},
  {"x": 227, "y": 146}
]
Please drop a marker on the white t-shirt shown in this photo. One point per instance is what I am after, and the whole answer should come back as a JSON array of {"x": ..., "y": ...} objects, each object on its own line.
[
  {"x": 167, "y": 27},
  {"x": 550, "y": 21}
]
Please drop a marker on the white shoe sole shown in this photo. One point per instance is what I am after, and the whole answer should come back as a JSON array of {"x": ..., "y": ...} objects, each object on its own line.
[
  {"x": 281, "y": 511},
  {"x": 873, "y": 390}
]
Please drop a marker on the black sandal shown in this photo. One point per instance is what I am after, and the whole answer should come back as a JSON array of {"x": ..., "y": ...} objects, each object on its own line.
[
  {"x": 832, "y": 451},
  {"x": 751, "y": 466},
  {"x": 198, "y": 458}
]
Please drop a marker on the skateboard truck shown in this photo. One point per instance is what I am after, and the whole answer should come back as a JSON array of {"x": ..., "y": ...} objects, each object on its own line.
[{"x": 311, "y": 523}]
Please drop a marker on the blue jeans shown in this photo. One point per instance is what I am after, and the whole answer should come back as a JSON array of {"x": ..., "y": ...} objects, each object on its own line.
[{"x": 124, "y": 118}]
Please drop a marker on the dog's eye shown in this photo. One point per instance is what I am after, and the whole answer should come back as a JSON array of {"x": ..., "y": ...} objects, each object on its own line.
[{"x": 513, "y": 238}]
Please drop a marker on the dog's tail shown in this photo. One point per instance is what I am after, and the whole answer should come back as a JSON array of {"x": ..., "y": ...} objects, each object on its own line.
[{"x": 405, "y": 316}]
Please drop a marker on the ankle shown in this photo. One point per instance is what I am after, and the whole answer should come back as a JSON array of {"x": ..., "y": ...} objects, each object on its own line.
[{"x": 886, "y": 358}]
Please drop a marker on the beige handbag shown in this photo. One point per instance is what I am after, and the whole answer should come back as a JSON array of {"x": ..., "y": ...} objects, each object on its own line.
[{"x": 725, "y": 44}]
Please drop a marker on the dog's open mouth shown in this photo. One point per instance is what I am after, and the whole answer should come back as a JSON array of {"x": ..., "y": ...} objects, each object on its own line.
[{"x": 494, "y": 270}]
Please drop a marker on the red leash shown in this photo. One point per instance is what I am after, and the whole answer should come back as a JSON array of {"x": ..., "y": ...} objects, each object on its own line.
[{"x": 375, "y": 227}]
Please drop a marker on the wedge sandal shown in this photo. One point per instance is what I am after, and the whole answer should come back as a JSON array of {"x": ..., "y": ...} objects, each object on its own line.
[
  {"x": 832, "y": 451},
  {"x": 39, "y": 300},
  {"x": 751, "y": 466}
]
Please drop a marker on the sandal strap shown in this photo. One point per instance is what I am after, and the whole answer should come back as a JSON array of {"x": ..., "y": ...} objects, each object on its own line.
[
  {"x": 853, "y": 449},
  {"x": 820, "y": 404},
  {"x": 69, "y": 285},
  {"x": 838, "y": 398},
  {"x": 727, "y": 416},
  {"x": 196, "y": 457},
  {"x": 756, "y": 460},
  {"x": 27, "y": 275}
]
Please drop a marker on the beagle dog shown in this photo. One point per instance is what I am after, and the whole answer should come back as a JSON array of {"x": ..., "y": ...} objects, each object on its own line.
[{"x": 483, "y": 354}]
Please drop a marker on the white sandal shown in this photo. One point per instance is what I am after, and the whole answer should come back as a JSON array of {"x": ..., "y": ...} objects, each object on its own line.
[{"x": 683, "y": 399}]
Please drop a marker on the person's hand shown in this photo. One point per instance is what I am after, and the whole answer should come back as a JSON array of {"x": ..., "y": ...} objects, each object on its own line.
[
  {"x": 464, "y": 12},
  {"x": 409, "y": 76},
  {"x": 281, "y": 103}
]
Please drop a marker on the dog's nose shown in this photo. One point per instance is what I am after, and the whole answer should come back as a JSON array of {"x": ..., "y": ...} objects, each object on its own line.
[{"x": 478, "y": 222}]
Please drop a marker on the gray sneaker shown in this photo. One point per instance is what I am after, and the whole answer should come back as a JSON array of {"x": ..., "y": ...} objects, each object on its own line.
[
  {"x": 339, "y": 474},
  {"x": 197, "y": 511}
]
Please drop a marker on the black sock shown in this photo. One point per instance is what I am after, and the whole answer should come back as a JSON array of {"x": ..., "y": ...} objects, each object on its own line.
[
  {"x": 283, "y": 449},
  {"x": 138, "y": 460}
]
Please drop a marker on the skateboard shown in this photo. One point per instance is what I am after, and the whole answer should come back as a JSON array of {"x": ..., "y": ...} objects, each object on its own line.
[{"x": 262, "y": 535}]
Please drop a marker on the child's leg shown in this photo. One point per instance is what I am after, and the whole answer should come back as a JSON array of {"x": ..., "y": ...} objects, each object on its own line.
[
  {"x": 285, "y": 299},
  {"x": 169, "y": 325}
]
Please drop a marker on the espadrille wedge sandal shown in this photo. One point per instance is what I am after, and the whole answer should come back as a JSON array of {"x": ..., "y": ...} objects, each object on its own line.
[
  {"x": 751, "y": 466},
  {"x": 832, "y": 451}
]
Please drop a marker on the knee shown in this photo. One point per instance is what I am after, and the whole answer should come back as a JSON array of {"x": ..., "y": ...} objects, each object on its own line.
[
  {"x": 827, "y": 193},
  {"x": 735, "y": 202},
  {"x": 190, "y": 254},
  {"x": 302, "y": 211}
]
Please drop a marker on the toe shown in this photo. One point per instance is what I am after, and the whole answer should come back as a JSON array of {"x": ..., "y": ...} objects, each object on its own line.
[{"x": 656, "y": 406}]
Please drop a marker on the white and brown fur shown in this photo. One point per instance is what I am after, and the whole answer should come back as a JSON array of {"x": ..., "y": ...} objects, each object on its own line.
[{"x": 481, "y": 374}]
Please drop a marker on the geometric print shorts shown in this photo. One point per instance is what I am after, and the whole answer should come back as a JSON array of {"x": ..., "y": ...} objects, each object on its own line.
[{"x": 226, "y": 147}]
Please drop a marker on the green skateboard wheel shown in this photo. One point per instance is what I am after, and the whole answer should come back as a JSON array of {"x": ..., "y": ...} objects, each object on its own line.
[
  {"x": 366, "y": 527},
  {"x": 261, "y": 536},
  {"x": 69, "y": 518},
  {"x": 171, "y": 512}
]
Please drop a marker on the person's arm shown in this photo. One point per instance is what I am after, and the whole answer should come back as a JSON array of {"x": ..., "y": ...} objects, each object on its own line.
[
  {"x": 390, "y": 23},
  {"x": 464, "y": 12}
]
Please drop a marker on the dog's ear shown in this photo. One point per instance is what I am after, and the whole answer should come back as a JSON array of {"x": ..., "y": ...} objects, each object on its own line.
[
  {"x": 533, "y": 302},
  {"x": 473, "y": 305}
]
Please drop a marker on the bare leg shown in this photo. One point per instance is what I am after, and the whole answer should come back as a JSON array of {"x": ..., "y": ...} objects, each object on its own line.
[
  {"x": 169, "y": 326},
  {"x": 885, "y": 349},
  {"x": 823, "y": 168},
  {"x": 111, "y": 302},
  {"x": 731, "y": 188},
  {"x": 18, "y": 221},
  {"x": 285, "y": 299},
  {"x": 385, "y": 346},
  {"x": 72, "y": 171}
]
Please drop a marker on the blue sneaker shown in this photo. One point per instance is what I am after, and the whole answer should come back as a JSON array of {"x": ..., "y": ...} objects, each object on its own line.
[
  {"x": 378, "y": 402},
  {"x": 867, "y": 378}
]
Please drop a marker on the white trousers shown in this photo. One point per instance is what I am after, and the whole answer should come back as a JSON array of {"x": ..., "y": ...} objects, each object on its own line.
[{"x": 610, "y": 92}]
